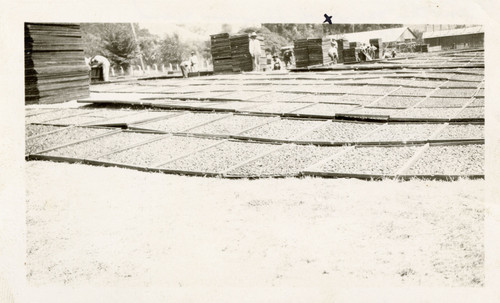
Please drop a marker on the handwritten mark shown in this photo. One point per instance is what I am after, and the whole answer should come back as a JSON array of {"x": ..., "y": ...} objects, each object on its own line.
[{"x": 327, "y": 19}]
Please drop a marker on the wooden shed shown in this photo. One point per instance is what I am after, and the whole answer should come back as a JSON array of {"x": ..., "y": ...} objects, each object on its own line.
[{"x": 455, "y": 38}]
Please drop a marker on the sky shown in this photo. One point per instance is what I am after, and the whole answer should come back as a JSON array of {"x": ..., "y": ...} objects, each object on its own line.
[{"x": 192, "y": 31}]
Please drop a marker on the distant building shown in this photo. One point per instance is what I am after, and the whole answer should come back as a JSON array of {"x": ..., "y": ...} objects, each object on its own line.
[
  {"x": 455, "y": 38},
  {"x": 390, "y": 36}
]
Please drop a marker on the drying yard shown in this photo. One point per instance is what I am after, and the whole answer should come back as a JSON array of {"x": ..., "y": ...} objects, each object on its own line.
[{"x": 414, "y": 127}]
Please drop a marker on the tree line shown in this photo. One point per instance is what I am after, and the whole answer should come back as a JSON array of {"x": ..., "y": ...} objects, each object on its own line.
[{"x": 116, "y": 41}]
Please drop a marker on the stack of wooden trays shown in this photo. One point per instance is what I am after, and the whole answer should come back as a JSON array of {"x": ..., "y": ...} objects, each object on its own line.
[
  {"x": 350, "y": 55},
  {"x": 422, "y": 48},
  {"x": 342, "y": 44},
  {"x": 301, "y": 53},
  {"x": 354, "y": 44},
  {"x": 378, "y": 44},
  {"x": 221, "y": 53},
  {"x": 317, "y": 49},
  {"x": 54, "y": 64},
  {"x": 240, "y": 53}
]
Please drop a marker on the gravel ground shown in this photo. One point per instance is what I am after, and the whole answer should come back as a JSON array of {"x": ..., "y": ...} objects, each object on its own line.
[
  {"x": 94, "y": 148},
  {"x": 282, "y": 129},
  {"x": 159, "y": 151},
  {"x": 76, "y": 120},
  {"x": 462, "y": 84},
  {"x": 375, "y": 90},
  {"x": 56, "y": 115},
  {"x": 242, "y": 95},
  {"x": 397, "y": 101},
  {"x": 180, "y": 123},
  {"x": 338, "y": 89},
  {"x": 340, "y": 132},
  {"x": 140, "y": 116},
  {"x": 443, "y": 102},
  {"x": 232, "y": 125},
  {"x": 278, "y": 107},
  {"x": 426, "y": 83},
  {"x": 371, "y": 160},
  {"x": 477, "y": 102},
  {"x": 411, "y": 91},
  {"x": 37, "y": 111},
  {"x": 326, "y": 109},
  {"x": 471, "y": 112},
  {"x": 291, "y": 159},
  {"x": 454, "y": 92},
  {"x": 220, "y": 157},
  {"x": 320, "y": 98},
  {"x": 480, "y": 93},
  {"x": 404, "y": 132},
  {"x": 34, "y": 129},
  {"x": 467, "y": 77},
  {"x": 450, "y": 160},
  {"x": 441, "y": 113},
  {"x": 358, "y": 99},
  {"x": 455, "y": 131},
  {"x": 237, "y": 105},
  {"x": 377, "y": 111},
  {"x": 163, "y": 231},
  {"x": 282, "y": 97},
  {"x": 62, "y": 137}
]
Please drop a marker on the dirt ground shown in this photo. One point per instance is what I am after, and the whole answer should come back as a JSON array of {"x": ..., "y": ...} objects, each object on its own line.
[{"x": 108, "y": 226}]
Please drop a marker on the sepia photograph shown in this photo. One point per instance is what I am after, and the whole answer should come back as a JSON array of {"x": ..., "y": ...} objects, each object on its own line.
[
  {"x": 252, "y": 152},
  {"x": 287, "y": 154}
]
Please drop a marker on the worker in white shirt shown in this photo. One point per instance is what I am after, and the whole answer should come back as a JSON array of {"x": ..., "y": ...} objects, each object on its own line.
[
  {"x": 333, "y": 53},
  {"x": 102, "y": 62},
  {"x": 255, "y": 51},
  {"x": 194, "y": 62}
]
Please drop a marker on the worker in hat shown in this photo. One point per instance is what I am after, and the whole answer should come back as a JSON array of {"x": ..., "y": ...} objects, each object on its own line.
[
  {"x": 255, "y": 51},
  {"x": 194, "y": 62},
  {"x": 276, "y": 63},
  {"x": 100, "y": 61}
]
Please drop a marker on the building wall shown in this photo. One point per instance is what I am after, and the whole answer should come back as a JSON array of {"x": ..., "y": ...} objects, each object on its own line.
[{"x": 462, "y": 41}]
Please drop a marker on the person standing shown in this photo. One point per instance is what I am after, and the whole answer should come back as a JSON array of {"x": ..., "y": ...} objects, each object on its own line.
[
  {"x": 194, "y": 62},
  {"x": 185, "y": 68},
  {"x": 102, "y": 62},
  {"x": 255, "y": 51},
  {"x": 333, "y": 52},
  {"x": 287, "y": 57}
]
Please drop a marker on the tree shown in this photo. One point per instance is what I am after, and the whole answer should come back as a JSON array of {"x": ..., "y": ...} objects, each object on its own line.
[
  {"x": 120, "y": 46},
  {"x": 172, "y": 50}
]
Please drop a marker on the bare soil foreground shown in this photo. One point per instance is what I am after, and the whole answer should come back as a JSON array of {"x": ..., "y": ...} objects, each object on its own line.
[{"x": 108, "y": 226}]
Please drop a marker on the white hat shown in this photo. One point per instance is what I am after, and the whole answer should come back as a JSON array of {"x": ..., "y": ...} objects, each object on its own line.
[{"x": 254, "y": 34}]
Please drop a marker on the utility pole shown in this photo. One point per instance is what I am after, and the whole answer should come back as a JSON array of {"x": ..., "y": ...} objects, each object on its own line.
[{"x": 138, "y": 45}]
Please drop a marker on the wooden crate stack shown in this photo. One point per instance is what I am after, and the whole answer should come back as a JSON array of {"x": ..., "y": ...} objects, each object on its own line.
[
  {"x": 301, "y": 53},
  {"x": 342, "y": 44},
  {"x": 354, "y": 44},
  {"x": 350, "y": 55},
  {"x": 263, "y": 58},
  {"x": 54, "y": 64},
  {"x": 240, "y": 53},
  {"x": 378, "y": 44},
  {"x": 221, "y": 53},
  {"x": 422, "y": 48},
  {"x": 317, "y": 49}
]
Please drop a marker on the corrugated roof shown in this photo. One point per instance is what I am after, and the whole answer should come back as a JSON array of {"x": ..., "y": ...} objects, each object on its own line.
[
  {"x": 387, "y": 35},
  {"x": 454, "y": 32}
]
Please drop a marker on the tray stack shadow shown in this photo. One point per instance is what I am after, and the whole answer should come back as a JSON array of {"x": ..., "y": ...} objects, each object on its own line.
[{"x": 54, "y": 65}]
